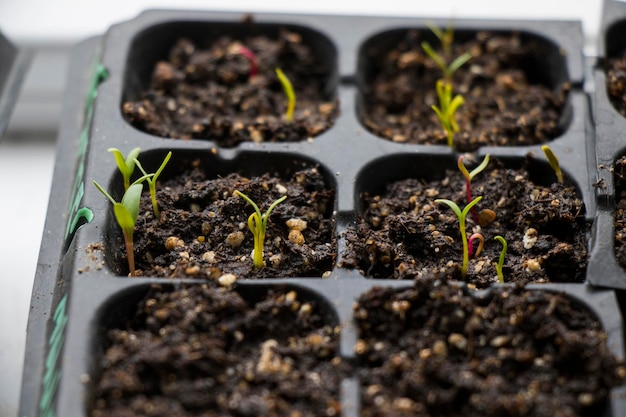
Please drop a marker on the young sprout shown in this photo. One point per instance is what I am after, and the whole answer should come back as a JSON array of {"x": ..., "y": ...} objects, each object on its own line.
[
  {"x": 446, "y": 110},
  {"x": 462, "y": 215},
  {"x": 445, "y": 38},
  {"x": 152, "y": 179},
  {"x": 126, "y": 213},
  {"x": 554, "y": 162},
  {"x": 501, "y": 259},
  {"x": 254, "y": 67},
  {"x": 470, "y": 244},
  {"x": 257, "y": 223},
  {"x": 125, "y": 165},
  {"x": 468, "y": 179},
  {"x": 291, "y": 95}
]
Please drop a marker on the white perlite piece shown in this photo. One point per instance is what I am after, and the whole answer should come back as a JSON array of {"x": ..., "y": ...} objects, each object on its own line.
[
  {"x": 530, "y": 238},
  {"x": 227, "y": 280}
]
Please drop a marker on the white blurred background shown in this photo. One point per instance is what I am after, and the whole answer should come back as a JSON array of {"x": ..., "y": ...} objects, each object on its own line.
[{"x": 27, "y": 150}]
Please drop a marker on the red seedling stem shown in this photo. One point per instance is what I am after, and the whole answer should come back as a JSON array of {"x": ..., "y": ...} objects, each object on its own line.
[
  {"x": 254, "y": 68},
  {"x": 468, "y": 180}
]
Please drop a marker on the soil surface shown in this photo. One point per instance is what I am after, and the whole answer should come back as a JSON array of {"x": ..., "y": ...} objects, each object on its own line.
[
  {"x": 620, "y": 211},
  {"x": 437, "y": 351},
  {"x": 209, "y": 93},
  {"x": 202, "y": 351},
  {"x": 405, "y": 233},
  {"x": 202, "y": 231},
  {"x": 615, "y": 69},
  {"x": 504, "y": 105}
]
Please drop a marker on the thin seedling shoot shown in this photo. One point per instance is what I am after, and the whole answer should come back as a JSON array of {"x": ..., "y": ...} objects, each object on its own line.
[
  {"x": 257, "y": 223},
  {"x": 462, "y": 216},
  {"x": 447, "y": 109},
  {"x": 554, "y": 162},
  {"x": 151, "y": 180},
  {"x": 469, "y": 176},
  {"x": 254, "y": 66},
  {"x": 446, "y": 38},
  {"x": 289, "y": 93},
  {"x": 126, "y": 212},
  {"x": 470, "y": 244},
  {"x": 501, "y": 259}
]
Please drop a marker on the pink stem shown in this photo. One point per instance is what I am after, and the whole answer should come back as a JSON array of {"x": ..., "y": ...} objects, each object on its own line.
[
  {"x": 254, "y": 69},
  {"x": 470, "y": 244}
]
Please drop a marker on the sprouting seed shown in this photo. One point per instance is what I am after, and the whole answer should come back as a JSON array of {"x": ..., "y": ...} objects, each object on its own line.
[
  {"x": 289, "y": 93},
  {"x": 257, "y": 223}
]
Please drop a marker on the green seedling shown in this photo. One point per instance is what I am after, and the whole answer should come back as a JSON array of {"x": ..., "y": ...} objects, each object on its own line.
[
  {"x": 152, "y": 179},
  {"x": 447, "y": 109},
  {"x": 445, "y": 38},
  {"x": 254, "y": 67},
  {"x": 291, "y": 95},
  {"x": 257, "y": 223},
  {"x": 470, "y": 244},
  {"x": 501, "y": 259},
  {"x": 448, "y": 70},
  {"x": 554, "y": 162},
  {"x": 125, "y": 165},
  {"x": 126, "y": 213},
  {"x": 468, "y": 179},
  {"x": 462, "y": 215}
]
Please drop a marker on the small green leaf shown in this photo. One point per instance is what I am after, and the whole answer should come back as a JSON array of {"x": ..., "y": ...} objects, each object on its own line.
[
  {"x": 125, "y": 165},
  {"x": 124, "y": 217},
  {"x": 436, "y": 31},
  {"x": 131, "y": 200},
  {"x": 469, "y": 206},
  {"x": 107, "y": 195},
  {"x": 480, "y": 167},
  {"x": 452, "y": 205},
  {"x": 441, "y": 63},
  {"x": 162, "y": 167},
  {"x": 458, "y": 63}
]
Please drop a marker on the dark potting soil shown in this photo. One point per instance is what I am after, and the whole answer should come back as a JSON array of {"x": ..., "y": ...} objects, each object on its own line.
[
  {"x": 202, "y": 231},
  {"x": 615, "y": 69},
  {"x": 434, "y": 350},
  {"x": 405, "y": 233},
  {"x": 619, "y": 172},
  {"x": 202, "y": 351},
  {"x": 208, "y": 93},
  {"x": 505, "y": 104}
]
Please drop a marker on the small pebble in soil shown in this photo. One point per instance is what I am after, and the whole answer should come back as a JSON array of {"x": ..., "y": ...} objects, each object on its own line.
[
  {"x": 173, "y": 242},
  {"x": 235, "y": 239}
]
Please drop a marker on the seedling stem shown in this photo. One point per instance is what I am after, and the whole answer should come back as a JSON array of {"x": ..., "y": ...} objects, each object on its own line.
[
  {"x": 126, "y": 213},
  {"x": 254, "y": 67},
  {"x": 470, "y": 244},
  {"x": 462, "y": 215},
  {"x": 152, "y": 179},
  {"x": 291, "y": 95},
  {"x": 554, "y": 162},
  {"x": 501, "y": 259},
  {"x": 468, "y": 179}
]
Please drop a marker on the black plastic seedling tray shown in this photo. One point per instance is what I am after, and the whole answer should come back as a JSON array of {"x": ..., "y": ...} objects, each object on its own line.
[
  {"x": 14, "y": 62},
  {"x": 604, "y": 268},
  {"x": 81, "y": 288}
]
